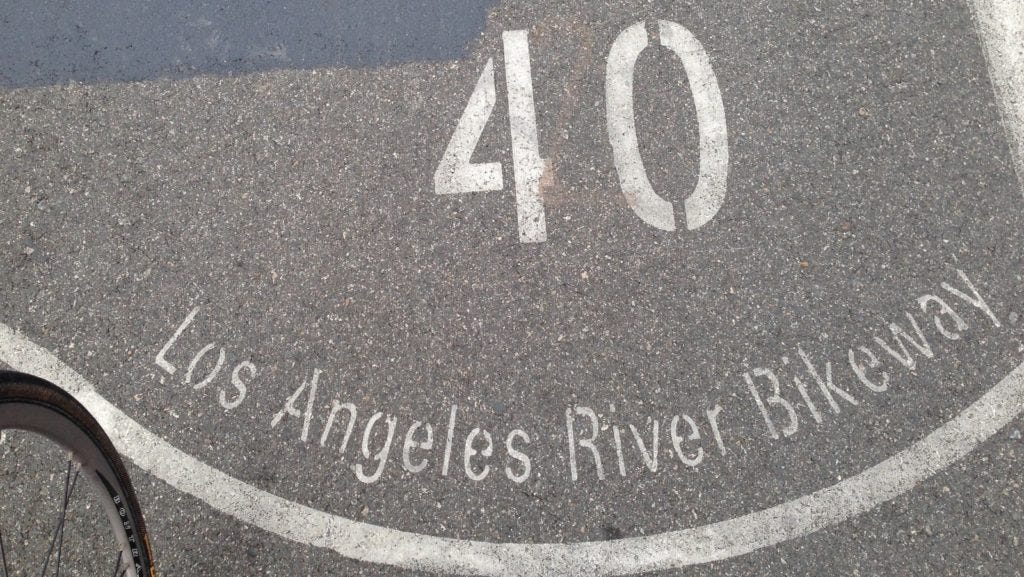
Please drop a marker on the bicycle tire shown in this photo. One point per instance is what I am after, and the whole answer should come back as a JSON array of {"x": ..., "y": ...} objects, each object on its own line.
[{"x": 33, "y": 404}]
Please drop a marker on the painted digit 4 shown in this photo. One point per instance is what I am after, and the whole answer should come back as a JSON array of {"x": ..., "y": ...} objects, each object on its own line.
[{"x": 456, "y": 174}]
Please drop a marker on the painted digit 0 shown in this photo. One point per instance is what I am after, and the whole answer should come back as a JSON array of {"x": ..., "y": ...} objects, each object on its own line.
[{"x": 709, "y": 194}]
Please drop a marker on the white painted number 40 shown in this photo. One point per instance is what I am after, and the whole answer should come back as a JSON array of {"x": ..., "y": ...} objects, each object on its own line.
[{"x": 456, "y": 174}]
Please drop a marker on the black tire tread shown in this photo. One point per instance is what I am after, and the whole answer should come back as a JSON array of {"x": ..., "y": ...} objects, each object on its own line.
[{"x": 24, "y": 388}]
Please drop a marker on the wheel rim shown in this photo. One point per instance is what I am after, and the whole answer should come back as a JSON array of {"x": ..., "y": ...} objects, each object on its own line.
[{"x": 85, "y": 497}]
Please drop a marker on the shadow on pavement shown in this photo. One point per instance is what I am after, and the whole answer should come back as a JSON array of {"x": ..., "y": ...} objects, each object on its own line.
[{"x": 89, "y": 41}]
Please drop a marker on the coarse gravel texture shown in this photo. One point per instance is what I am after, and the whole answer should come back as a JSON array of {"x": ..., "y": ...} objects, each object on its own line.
[{"x": 294, "y": 206}]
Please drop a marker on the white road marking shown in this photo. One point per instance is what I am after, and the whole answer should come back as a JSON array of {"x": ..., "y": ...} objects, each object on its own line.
[
  {"x": 618, "y": 88},
  {"x": 522, "y": 117},
  {"x": 1000, "y": 24},
  {"x": 709, "y": 195},
  {"x": 161, "y": 357},
  {"x": 455, "y": 173},
  {"x": 374, "y": 544}
]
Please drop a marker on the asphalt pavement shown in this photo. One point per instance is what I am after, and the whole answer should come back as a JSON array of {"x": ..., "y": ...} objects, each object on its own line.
[{"x": 232, "y": 225}]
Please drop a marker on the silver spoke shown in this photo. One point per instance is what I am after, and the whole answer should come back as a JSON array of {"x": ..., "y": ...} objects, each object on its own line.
[
  {"x": 3, "y": 555},
  {"x": 60, "y": 540},
  {"x": 69, "y": 487},
  {"x": 120, "y": 558}
]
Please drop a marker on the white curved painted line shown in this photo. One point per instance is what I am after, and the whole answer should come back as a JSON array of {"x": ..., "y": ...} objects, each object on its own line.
[
  {"x": 1000, "y": 22},
  {"x": 375, "y": 544},
  {"x": 1000, "y": 25}
]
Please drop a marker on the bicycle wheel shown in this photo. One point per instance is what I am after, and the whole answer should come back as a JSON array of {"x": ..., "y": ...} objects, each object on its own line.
[{"x": 41, "y": 423}]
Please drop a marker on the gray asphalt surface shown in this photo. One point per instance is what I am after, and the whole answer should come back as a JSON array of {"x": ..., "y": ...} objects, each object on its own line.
[{"x": 293, "y": 204}]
